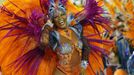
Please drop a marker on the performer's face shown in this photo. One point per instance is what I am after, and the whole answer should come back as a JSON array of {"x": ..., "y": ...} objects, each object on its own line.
[{"x": 60, "y": 19}]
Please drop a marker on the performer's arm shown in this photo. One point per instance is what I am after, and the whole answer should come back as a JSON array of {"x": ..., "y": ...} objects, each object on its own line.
[
  {"x": 86, "y": 49},
  {"x": 45, "y": 34},
  {"x": 85, "y": 54}
]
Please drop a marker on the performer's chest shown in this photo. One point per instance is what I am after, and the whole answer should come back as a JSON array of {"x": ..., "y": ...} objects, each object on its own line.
[{"x": 69, "y": 43}]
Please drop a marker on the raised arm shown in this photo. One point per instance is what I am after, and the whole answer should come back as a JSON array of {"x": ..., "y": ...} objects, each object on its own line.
[
  {"x": 49, "y": 37},
  {"x": 45, "y": 35}
]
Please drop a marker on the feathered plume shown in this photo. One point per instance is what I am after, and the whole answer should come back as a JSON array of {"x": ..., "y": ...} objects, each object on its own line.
[
  {"x": 25, "y": 27},
  {"x": 92, "y": 13}
]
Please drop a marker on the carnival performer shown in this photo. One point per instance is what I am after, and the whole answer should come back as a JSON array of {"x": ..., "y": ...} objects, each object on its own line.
[
  {"x": 121, "y": 43},
  {"x": 121, "y": 13},
  {"x": 51, "y": 37}
]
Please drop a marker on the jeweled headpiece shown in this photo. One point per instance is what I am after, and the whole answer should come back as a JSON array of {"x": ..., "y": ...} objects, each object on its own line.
[
  {"x": 49, "y": 7},
  {"x": 56, "y": 6}
]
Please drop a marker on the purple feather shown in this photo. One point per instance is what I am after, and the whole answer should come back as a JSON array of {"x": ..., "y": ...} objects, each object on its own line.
[
  {"x": 105, "y": 42},
  {"x": 32, "y": 29},
  {"x": 92, "y": 13},
  {"x": 25, "y": 27},
  {"x": 31, "y": 59},
  {"x": 98, "y": 49}
]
